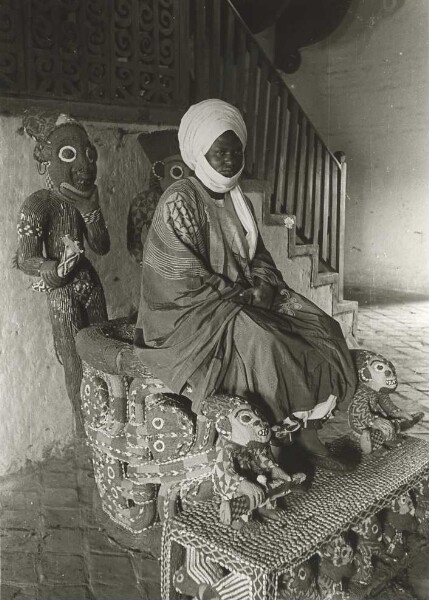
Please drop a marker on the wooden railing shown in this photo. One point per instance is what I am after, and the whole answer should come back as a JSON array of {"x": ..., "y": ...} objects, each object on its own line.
[
  {"x": 148, "y": 60},
  {"x": 307, "y": 180}
]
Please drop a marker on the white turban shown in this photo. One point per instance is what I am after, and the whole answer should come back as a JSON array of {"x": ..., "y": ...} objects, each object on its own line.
[{"x": 200, "y": 126}]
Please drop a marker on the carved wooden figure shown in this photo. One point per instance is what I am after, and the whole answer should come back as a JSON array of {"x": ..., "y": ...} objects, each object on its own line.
[
  {"x": 52, "y": 226},
  {"x": 372, "y": 414},
  {"x": 162, "y": 149}
]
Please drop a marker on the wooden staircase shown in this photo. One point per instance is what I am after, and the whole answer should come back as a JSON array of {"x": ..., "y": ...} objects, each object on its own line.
[
  {"x": 146, "y": 61},
  {"x": 306, "y": 181}
]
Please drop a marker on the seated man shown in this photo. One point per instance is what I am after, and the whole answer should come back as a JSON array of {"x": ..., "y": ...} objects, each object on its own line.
[{"x": 215, "y": 313}]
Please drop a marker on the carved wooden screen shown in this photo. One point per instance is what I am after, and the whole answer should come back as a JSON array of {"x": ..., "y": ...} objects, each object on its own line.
[{"x": 117, "y": 52}]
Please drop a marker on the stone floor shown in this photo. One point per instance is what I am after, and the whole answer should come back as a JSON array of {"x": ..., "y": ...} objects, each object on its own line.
[{"x": 52, "y": 547}]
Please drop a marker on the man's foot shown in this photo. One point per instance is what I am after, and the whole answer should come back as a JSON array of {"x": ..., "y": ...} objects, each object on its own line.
[
  {"x": 309, "y": 441},
  {"x": 317, "y": 453}
]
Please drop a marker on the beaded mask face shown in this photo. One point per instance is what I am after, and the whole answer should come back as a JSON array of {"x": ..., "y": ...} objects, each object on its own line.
[
  {"x": 375, "y": 371},
  {"x": 71, "y": 160},
  {"x": 248, "y": 426}
]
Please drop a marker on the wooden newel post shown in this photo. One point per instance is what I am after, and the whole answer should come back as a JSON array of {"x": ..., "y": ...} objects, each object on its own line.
[{"x": 341, "y": 157}]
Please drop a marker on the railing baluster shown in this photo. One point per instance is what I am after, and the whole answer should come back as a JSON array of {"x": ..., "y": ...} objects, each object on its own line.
[
  {"x": 229, "y": 83},
  {"x": 292, "y": 155},
  {"x": 201, "y": 56},
  {"x": 251, "y": 108},
  {"x": 272, "y": 133},
  {"x": 341, "y": 224},
  {"x": 261, "y": 122},
  {"x": 317, "y": 190},
  {"x": 325, "y": 206},
  {"x": 302, "y": 160},
  {"x": 309, "y": 188},
  {"x": 333, "y": 255},
  {"x": 242, "y": 71},
  {"x": 215, "y": 52},
  {"x": 282, "y": 152}
]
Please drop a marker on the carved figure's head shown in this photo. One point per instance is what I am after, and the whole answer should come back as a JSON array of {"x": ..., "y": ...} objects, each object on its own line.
[
  {"x": 236, "y": 420},
  {"x": 369, "y": 529},
  {"x": 298, "y": 580},
  {"x": 64, "y": 153},
  {"x": 375, "y": 371},
  {"x": 162, "y": 150},
  {"x": 338, "y": 551}
]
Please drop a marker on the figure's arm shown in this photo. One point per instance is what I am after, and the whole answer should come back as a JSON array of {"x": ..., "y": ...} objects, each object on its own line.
[
  {"x": 229, "y": 484},
  {"x": 390, "y": 408},
  {"x": 31, "y": 229},
  {"x": 95, "y": 229}
]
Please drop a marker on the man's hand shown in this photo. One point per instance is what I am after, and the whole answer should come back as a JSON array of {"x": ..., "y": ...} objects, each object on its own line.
[
  {"x": 261, "y": 295},
  {"x": 84, "y": 202},
  {"x": 253, "y": 491},
  {"x": 385, "y": 427}
]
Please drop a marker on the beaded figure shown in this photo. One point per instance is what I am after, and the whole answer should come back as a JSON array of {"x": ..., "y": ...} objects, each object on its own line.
[
  {"x": 368, "y": 545},
  {"x": 162, "y": 149},
  {"x": 336, "y": 565},
  {"x": 52, "y": 225},
  {"x": 372, "y": 414},
  {"x": 399, "y": 520},
  {"x": 299, "y": 583},
  {"x": 245, "y": 474}
]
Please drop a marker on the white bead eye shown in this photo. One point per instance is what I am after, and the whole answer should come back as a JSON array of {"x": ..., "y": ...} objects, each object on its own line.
[
  {"x": 176, "y": 172},
  {"x": 159, "y": 446},
  {"x": 158, "y": 423},
  {"x": 67, "y": 154}
]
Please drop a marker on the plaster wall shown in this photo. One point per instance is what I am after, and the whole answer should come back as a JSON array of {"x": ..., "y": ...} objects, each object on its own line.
[
  {"x": 35, "y": 413},
  {"x": 365, "y": 89}
]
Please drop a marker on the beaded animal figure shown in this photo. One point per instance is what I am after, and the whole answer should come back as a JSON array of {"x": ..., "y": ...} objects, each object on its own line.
[
  {"x": 245, "y": 475},
  {"x": 369, "y": 544},
  {"x": 372, "y": 414},
  {"x": 399, "y": 520},
  {"x": 162, "y": 149},
  {"x": 336, "y": 565},
  {"x": 52, "y": 226}
]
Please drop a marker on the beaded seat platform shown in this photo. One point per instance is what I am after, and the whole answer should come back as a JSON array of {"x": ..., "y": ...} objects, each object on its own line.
[{"x": 263, "y": 551}]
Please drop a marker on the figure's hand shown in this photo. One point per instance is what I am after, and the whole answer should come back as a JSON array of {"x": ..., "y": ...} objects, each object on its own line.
[
  {"x": 84, "y": 202},
  {"x": 278, "y": 473},
  {"x": 70, "y": 258},
  {"x": 385, "y": 427},
  {"x": 253, "y": 491},
  {"x": 404, "y": 414}
]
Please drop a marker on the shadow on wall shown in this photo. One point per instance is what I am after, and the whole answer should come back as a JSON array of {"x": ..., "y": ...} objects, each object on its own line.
[{"x": 362, "y": 20}]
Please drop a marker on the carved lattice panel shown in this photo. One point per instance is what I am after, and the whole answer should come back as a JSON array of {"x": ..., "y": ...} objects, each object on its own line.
[
  {"x": 11, "y": 56},
  {"x": 118, "y": 52}
]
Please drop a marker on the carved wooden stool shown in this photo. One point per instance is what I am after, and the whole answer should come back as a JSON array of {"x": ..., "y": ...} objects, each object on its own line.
[{"x": 263, "y": 554}]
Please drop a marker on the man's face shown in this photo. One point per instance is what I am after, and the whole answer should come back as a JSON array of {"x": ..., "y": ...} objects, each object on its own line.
[
  {"x": 225, "y": 155},
  {"x": 73, "y": 159}
]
